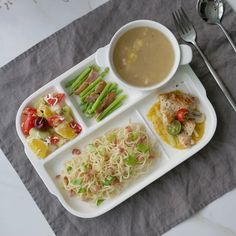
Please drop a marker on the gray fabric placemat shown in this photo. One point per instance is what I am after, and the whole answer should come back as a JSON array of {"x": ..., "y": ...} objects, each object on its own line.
[{"x": 172, "y": 198}]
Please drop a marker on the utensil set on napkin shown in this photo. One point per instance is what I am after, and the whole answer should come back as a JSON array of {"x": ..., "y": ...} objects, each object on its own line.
[{"x": 211, "y": 11}]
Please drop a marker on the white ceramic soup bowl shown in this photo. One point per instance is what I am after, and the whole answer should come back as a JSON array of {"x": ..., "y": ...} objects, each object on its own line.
[{"x": 183, "y": 53}]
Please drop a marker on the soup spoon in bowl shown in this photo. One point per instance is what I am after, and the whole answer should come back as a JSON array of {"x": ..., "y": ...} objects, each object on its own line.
[{"x": 212, "y": 12}]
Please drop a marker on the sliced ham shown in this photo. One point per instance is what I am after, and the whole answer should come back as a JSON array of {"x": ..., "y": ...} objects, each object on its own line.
[
  {"x": 91, "y": 78},
  {"x": 100, "y": 87},
  {"x": 92, "y": 97},
  {"x": 107, "y": 101}
]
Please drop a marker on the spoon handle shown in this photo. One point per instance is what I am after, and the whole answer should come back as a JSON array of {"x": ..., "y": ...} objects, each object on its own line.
[
  {"x": 217, "y": 78},
  {"x": 227, "y": 36}
]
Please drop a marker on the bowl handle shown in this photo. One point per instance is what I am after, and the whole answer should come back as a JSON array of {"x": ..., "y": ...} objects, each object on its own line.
[
  {"x": 186, "y": 54},
  {"x": 101, "y": 56}
]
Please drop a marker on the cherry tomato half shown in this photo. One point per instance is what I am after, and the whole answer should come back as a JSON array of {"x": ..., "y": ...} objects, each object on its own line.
[
  {"x": 27, "y": 124},
  {"x": 29, "y": 111},
  {"x": 182, "y": 115},
  {"x": 27, "y": 119}
]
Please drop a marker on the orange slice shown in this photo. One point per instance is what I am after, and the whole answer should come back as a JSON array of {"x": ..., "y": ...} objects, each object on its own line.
[
  {"x": 65, "y": 130},
  {"x": 39, "y": 147}
]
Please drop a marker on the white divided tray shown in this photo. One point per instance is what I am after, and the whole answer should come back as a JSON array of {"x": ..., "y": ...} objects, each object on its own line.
[{"x": 135, "y": 108}]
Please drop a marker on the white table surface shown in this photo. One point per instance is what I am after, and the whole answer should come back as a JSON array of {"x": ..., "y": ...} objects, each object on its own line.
[{"x": 24, "y": 23}]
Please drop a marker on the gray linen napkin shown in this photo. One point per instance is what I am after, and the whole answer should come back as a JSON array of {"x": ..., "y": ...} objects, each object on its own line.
[{"x": 172, "y": 198}]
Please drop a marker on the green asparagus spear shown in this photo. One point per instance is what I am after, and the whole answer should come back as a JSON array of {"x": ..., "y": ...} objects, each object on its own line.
[
  {"x": 88, "y": 108},
  {"x": 99, "y": 78},
  {"x": 111, "y": 106},
  {"x": 101, "y": 97},
  {"x": 84, "y": 107},
  {"x": 113, "y": 87},
  {"x": 91, "y": 86},
  {"x": 118, "y": 91},
  {"x": 70, "y": 82},
  {"x": 102, "y": 115},
  {"x": 80, "y": 79},
  {"x": 109, "y": 87},
  {"x": 88, "y": 93},
  {"x": 95, "y": 67}
]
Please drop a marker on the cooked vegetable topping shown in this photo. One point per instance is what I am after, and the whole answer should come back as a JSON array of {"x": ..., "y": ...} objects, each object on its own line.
[
  {"x": 108, "y": 180},
  {"x": 98, "y": 98},
  {"x": 69, "y": 168},
  {"x": 174, "y": 128},
  {"x": 76, "y": 181},
  {"x": 142, "y": 147},
  {"x": 99, "y": 201},
  {"x": 82, "y": 190},
  {"x": 182, "y": 115},
  {"x": 130, "y": 160}
]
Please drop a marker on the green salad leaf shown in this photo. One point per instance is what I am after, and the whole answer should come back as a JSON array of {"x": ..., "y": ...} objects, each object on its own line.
[
  {"x": 82, "y": 190},
  {"x": 68, "y": 169},
  {"x": 99, "y": 201},
  {"x": 76, "y": 181},
  {"x": 141, "y": 147},
  {"x": 108, "y": 180},
  {"x": 134, "y": 135},
  {"x": 130, "y": 160}
]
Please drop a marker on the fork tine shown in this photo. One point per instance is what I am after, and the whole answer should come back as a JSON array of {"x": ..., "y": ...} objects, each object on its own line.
[
  {"x": 184, "y": 26},
  {"x": 182, "y": 21},
  {"x": 185, "y": 18},
  {"x": 177, "y": 23}
]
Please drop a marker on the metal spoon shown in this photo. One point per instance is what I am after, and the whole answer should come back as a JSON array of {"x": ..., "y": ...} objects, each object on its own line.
[{"x": 212, "y": 12}]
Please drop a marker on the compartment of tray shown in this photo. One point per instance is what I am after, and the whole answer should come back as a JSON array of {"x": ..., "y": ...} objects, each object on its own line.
[
  {"x": 186, "y": 82},
  {"x": 54, "y": 166},
  {"x": 34, "y": 98}
]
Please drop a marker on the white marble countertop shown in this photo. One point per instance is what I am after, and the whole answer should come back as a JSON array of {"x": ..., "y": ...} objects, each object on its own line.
[{"x": 24, "y": 23}]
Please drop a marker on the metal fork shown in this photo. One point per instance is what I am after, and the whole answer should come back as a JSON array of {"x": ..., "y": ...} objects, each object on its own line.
[{"x": 188, "y": 34}]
